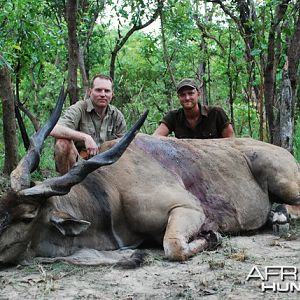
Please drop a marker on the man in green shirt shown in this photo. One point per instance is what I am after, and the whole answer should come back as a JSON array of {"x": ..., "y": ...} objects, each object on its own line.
[
  {"x": 193, "y": 120},
  {"x": 87, "y": 124}
]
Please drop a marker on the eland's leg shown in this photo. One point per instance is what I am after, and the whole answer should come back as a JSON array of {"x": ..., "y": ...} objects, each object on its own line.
[
  {"x": 284, "y": 180},
  {"x": 183, "y": 238}
]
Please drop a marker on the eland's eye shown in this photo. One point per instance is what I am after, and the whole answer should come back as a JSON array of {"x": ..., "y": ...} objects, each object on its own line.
[{"x": 27, "y": 220}]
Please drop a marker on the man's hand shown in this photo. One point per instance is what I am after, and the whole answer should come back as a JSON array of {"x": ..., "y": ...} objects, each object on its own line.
[{"x": 91, "y": 147}]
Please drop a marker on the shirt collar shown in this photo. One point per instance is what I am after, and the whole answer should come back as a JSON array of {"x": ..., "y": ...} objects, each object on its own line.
[
  {"x": 203, "y": 110},
  {"x": 90, "y": 105}
]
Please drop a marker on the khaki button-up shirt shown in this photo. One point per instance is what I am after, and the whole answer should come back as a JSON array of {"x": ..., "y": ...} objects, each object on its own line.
[{"x": 82, "y": 117}]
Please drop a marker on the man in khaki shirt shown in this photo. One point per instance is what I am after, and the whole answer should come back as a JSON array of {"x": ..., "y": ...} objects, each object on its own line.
[{"x": 87, "y": 124}]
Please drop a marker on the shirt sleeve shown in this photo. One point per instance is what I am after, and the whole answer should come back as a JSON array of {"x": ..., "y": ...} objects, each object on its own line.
[
  {"x": 72, "y": 116},
  {"x": 120, "y": 125},
  {"x": 169, "y": 121},
  {"x": 222, "y": 119}
]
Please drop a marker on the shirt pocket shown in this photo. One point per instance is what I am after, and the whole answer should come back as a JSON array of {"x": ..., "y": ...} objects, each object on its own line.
[
  {"x": 88, "y": 129},
  {"x": 111, "y": 135}
]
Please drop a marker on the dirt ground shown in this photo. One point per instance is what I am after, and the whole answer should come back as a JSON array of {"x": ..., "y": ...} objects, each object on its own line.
[{"x": 219, "y": 274}]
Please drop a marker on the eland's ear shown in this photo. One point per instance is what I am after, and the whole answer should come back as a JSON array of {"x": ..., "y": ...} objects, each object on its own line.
[{"x": 67, "y": 224}]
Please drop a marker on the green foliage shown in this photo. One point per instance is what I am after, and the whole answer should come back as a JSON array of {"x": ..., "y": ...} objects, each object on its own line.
[
  {"x": 46, "y": 167},
  {"x": 297, "y": 140},
  {"x": 35, "y": 49},
  {"x": 243, "y": 126},
  {"x": 33, "y": 42}
]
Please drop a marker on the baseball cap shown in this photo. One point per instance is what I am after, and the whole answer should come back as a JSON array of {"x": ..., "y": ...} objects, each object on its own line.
[{"x": 187, "y": 82}]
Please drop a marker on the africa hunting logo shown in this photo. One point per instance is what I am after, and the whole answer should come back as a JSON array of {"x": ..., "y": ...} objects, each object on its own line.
[{"x": 278, "y": 279}]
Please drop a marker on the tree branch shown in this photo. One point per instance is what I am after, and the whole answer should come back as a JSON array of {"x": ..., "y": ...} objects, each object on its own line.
[{"x": 121, "y": 42}]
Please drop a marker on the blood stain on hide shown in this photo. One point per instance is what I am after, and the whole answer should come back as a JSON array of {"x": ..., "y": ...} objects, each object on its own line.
[{"x": 182, "y": 160}]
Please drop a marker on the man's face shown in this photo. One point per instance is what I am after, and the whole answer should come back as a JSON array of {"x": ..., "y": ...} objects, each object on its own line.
[
  {"x": 188, "y": 97},
  {"x": 101, "y": 93}
]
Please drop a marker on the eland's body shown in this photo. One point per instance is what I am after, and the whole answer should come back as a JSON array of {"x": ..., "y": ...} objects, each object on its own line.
[{"x": 175, "y": 191}]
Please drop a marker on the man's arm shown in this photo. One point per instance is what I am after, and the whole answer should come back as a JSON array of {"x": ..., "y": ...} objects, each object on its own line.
[
  {"x": 63, "y": 132},
  {"x": 162, "y": 130},
  {"x": 120, "y": 126},
  {"x": 228, "y": 131}
]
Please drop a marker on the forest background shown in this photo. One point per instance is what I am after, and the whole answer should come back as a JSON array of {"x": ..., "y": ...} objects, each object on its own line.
[{"x": 244, "y": 54}]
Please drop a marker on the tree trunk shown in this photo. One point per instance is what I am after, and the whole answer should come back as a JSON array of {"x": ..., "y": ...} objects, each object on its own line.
[
  {"x": 203, "y": 66},
  {"x": 286, "y": 120},
  {"x": 83, "y": 48},
  {"x": 270, "y": 69},
  {"x": 269, "y": 81},
  {"x": 34, "y": 120},
  {"x": 200, "y": 75},
  {"x": 261, "y": 108},
  {"x": 73, "y": 50},
  {"x": 230, "y": 81},
  {"x": 9, "y": 122},
  {"x": 201, "y": 70},
  {"x": 85, "y": 81},
  {"x": 294, "y": 58},
  {"x": 165, "y": 49}
]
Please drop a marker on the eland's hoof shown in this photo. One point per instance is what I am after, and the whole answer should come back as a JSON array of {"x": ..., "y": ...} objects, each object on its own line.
[
  {"x": 280, "y": 221},
  {"x": 213, "y": 238}
]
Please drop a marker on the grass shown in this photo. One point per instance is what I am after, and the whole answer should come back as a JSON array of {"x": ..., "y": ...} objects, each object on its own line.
[
  {"x": 59, "y": 270},
  {"x": 46, "y": 277},
  {"x": 294, "y": 229},
  {"x": 46, "y": 168}
]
